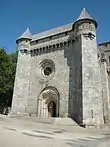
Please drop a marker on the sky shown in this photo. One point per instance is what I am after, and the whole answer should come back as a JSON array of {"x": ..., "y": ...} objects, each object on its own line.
[{"x": 41, "y": 15}]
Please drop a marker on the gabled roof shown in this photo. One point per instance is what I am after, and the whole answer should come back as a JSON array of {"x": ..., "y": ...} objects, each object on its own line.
[
  {"x": 52, "y": 32},
  {"x": 26, "y": 35},
  {"x": 85, "y": 15}
]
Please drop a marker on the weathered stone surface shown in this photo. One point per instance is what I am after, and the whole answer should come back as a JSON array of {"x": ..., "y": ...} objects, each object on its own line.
[{"x": 60, "y": 73}]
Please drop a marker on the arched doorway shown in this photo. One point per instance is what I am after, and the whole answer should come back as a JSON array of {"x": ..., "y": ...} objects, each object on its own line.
[
  {"x": 48, "y": 103},
  {"x": 52, "y": 109}
]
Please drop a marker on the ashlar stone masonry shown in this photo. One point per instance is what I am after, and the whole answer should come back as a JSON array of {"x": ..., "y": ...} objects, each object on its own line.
[{"x": 63, "y": 72}]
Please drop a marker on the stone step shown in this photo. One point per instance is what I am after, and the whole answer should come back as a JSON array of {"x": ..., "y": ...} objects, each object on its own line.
[
  {"x": 50, "y": 120},
  {"x": 65, "y": 122},
  {"x": 55, "y": 121}
]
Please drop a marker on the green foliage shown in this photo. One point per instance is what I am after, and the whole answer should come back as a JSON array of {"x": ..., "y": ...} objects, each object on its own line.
[{"x": 7, "y": 76}]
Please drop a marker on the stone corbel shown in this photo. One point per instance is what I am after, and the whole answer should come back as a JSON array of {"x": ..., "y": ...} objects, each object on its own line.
[
  {"x": 89, "y": 36},
  {"x": 24, "y": 51},
  {"x": 21, "y": 51},
  {"x": 77, "y": 38},
  {"x": 85, "y": 36}
]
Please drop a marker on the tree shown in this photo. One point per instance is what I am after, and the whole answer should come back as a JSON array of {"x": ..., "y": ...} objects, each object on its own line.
[{"x": 7, "y": 76}]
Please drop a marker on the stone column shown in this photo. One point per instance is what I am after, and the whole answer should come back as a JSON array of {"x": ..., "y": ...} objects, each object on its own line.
[{"x": 39, "y": 107}]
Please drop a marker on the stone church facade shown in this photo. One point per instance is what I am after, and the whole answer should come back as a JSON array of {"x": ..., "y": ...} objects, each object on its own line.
[{"x": 63, "y": 72}]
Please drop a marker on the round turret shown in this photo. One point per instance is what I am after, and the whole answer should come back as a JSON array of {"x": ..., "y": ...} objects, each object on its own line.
[
  {"x": 23, "y": 42},
  {"x": 84, "y": 24}
]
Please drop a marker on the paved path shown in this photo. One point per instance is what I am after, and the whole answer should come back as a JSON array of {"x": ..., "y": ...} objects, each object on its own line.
[{"x": 16, "y": 132}]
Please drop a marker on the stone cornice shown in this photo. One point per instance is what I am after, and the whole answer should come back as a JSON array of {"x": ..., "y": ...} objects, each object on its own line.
[
  {"x": 90, "y": 36},
  {"x": 48, "y": 48}
]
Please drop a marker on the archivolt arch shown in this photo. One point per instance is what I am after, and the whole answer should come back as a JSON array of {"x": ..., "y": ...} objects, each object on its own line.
[
  {"x": 51, "y": 89},
  {"x": 47, "y": 95}
]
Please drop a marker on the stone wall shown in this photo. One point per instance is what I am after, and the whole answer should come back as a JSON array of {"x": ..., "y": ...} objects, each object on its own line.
[
  {"x": 59, "y": 80},
  {"x": 91, "y": 80},
  {"x": 73, "y": 55},
  {"x": 76, "y": 75},
  {"x": 105, "y": 94},
  {"x": 105, "y": 77},
  {"x": 21, "y": 85}
]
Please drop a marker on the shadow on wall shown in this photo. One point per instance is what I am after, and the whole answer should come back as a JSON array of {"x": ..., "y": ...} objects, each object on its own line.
[{"x": 74, "y": 60}]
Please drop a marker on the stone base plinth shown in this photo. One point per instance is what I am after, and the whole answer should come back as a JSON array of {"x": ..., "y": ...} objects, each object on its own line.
[{"x": 17, "y": 114}]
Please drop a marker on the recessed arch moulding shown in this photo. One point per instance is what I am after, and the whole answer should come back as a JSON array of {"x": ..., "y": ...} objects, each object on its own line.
[{"x": 48, "y": 95}]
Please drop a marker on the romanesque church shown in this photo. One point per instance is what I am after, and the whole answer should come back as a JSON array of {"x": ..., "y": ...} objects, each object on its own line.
[{"x": 64, "y": 73}]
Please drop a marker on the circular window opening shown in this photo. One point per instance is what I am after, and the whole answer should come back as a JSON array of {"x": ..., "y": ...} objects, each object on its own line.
[
  {"x": 47, "y": 71},
  {"x": 47, "y": 67}
]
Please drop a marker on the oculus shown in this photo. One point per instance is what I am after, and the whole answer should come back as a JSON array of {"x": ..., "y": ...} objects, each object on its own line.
[{"x": 47, "y": 67}]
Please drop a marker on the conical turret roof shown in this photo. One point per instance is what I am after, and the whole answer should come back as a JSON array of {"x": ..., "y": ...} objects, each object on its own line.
[
  {"x": 84, "y": 15},
  {"x": 26, "y": 35}
]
